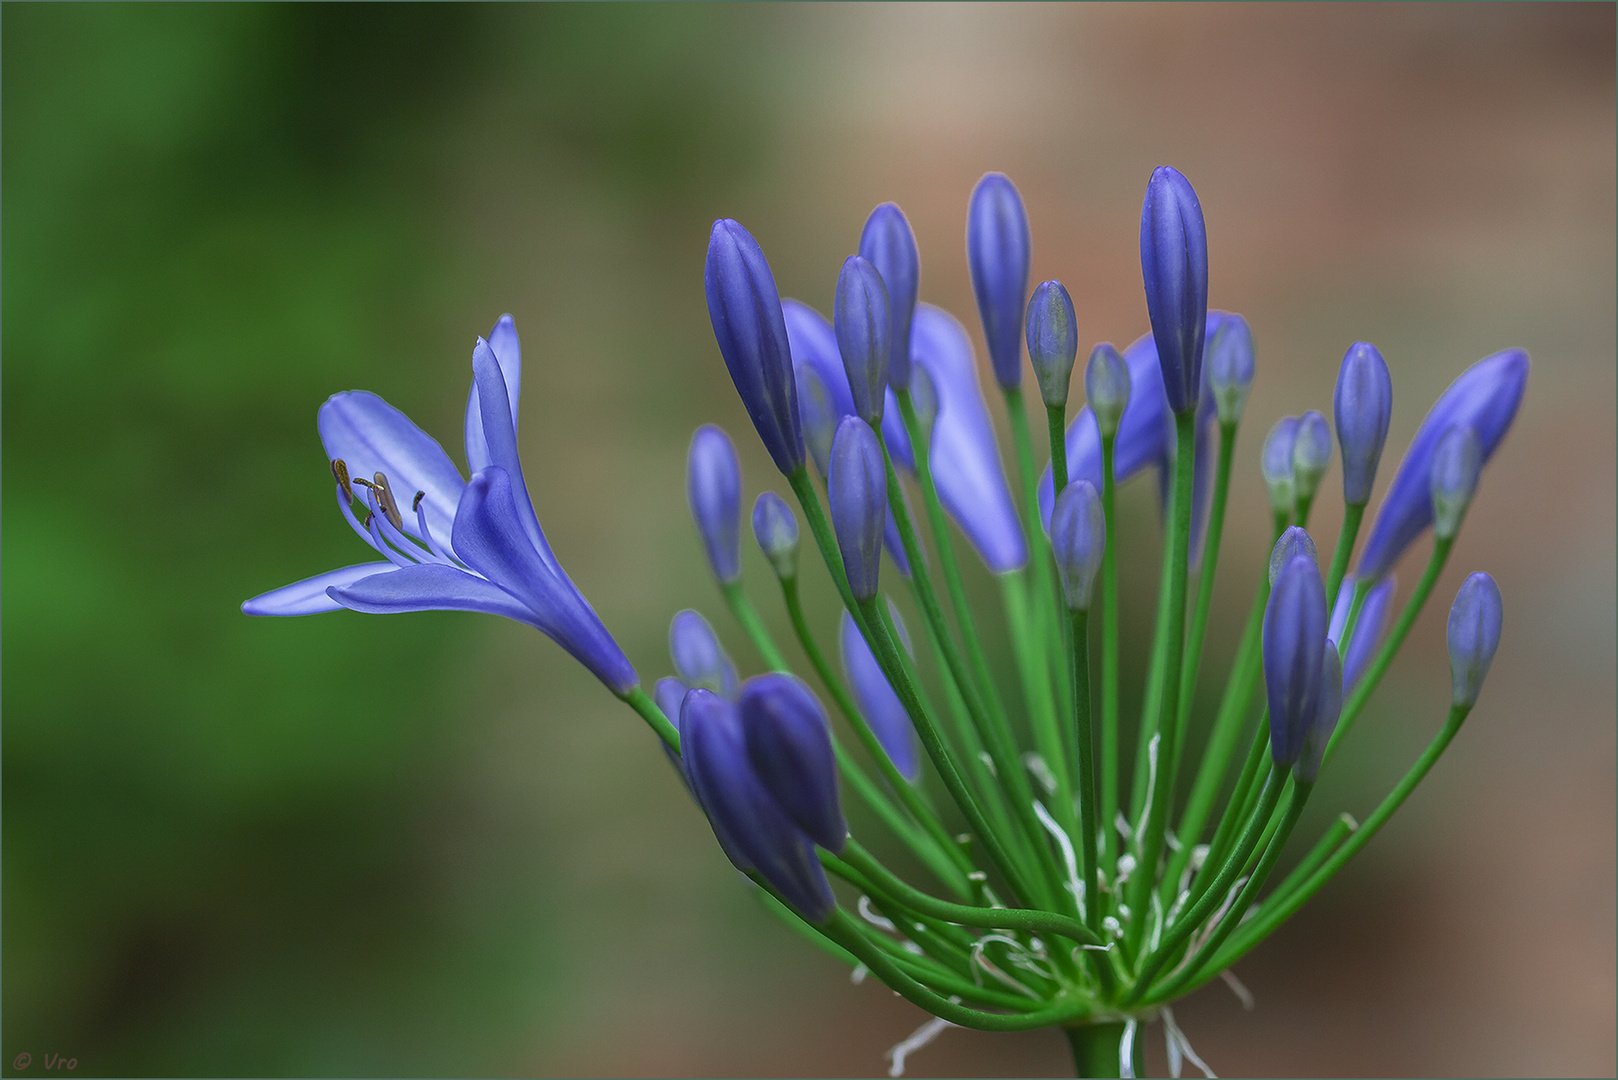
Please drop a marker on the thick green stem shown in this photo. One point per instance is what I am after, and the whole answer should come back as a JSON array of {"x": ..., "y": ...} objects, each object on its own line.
[{"x": 1097, "y": 1049}]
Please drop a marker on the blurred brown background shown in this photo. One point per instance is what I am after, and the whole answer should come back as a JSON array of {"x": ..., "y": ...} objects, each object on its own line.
[{"x": 431, "y": 844}]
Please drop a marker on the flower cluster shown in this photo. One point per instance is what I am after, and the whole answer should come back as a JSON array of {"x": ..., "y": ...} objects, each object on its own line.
[{"x": 1072, "y": 897}]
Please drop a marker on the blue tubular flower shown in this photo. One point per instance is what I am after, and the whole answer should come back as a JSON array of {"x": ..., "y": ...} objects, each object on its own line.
[
  {"x": 747, "y": 323},
  {"x": 862, "y": 320},
  {"x": 669, "y": 693},
  {"x": 857, "y": 494},
  {"x": 1228, "y": 357},
  {"x": 1106, "y": 387},
  {"x": 1275, "y": 460},
  {"x": 1174, "y": 265},
  {"x": 753, "y": 830},
  {"x": 1485, "y": 397},
  {"x": 1053, "y": 341},
  {"x": 789, "y": 745},
  {"x": 698, "y": 657},
  {"x": 1294, "y": 640},
  {"x": 775, "y": 528},
  {"x": 1373, "y": 620},
  {"x": 1363, "y": 406},
  {"x": 997, "y": 253},
  {"x": 1293, "y": 541},
  {"x": 465, "y": 546},
  {"x": 1457, "y": 461},
  {"x": 889, "y": 245},
  {"x": 1311, "y": 454},
  {"x": 1328, "y": 707},
  {"x": 713, "y": 489},
  {"x": 878, "y": 703},
  {"x": 1078, "y": 540},
  {"x": 1474, "y": 635},
  {"x": 965, "y": 459},
  {"x": 508, "y": 351}
]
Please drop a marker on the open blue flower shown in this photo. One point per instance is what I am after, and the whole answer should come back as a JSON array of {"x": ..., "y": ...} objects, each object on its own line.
[{"x": 461, "y": 546}]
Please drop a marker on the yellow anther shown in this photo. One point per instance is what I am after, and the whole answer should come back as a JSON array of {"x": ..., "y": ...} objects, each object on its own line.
[
  {"x": 339, "y": 469},
  {"x": 384, "y": 500}
]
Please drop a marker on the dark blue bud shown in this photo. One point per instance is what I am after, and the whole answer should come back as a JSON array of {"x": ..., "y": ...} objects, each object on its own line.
[
  {"x": 1485, "y": 397},
  {"x": 878, "y": 703},
  {"x": 1294, "y": 541},
  {"x": 862, "y": 321},
  {"x": 1276, "y": 462},
  {"x": 1053, "y": 341},
  {"x": 1229, "y": 357},
  {"x": 1474, "y": 635},
  {"x": 889, "y": 245},
  {"x": 713, "y": 488},
  {"x": 1078, "y": 540},
  {"x": 1106, "y": 386},
  {"x": 1293, "y": 643},
  {"x": 819, "y": 413},
  {"x": 1457, "y": 462},
  {"x": 789, "y": 745},
  {"x": 698, "y": 657},
  {"x": 1368, "y": 628},
  {"x": 857, "y": 491},
  {"x": 1174, "y": 265},
  {"x": 775, "y": 528},
  {"x": 1328, "y": 707},
  {"x": 1311, "y": 454},
  {"x": 752, "y": 828},
  {"x": 745, "y": 310},
  {"x": 1363, "y": 406},
  {"x": 997, "y": 254}
]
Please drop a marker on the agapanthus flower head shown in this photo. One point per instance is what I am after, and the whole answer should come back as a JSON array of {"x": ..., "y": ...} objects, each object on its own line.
[
  {"x": 1328, "y": 707},
  {"x": 1311, "y": 454},
  {"x": 745, "y": 310},
  {"x": 699, "y": 658},
  {"x": 1053, "y": 341},
  {"x": 713, "y": 490},
  {"x": 998, "y": 250},
  {"x": 1457, "y": 462},
  {"x": 1293, "y": 643},
  {"x": 1078, "y": 540},
  {"x": 1293, "y": 541},
  {"x": 1484, "y": 397},
  {"x": 1372, "y": 621},
  {"x": 862, "y": 320},
  {"x": 888, "y": 243},
  {"x": 1363, "y": 405},
  {"x": 775, "y": 528},
  {"x": 1174, "y": 266},
  {"x": 1106, "y": 386},
  {"x": 878, "y": 703},
  {"x": 789, "y": 745},
  {"x": 460, "y": 546},
  {"x": 1228, "y": 360},
  {"x": 756, "y": 834},
  {"x": 857, "y": 494},
  {"x": 1474, "y": 635},
  {"x": 1275, "y": 460}
]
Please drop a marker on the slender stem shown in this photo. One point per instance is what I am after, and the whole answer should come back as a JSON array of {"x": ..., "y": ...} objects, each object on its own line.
[
  {"x": 747, "y": 615},
  {"x": 642, "y": 702},
  {"x": 1340, "y": 830},
  {"x": 1096, "y": 1049},
  {"x": 1037, "y": 690},
  {"x": 1353, "y": 514},
  {"x": 1152, "y": 702},
  {"x": 1109, "y": 655},
  {"x": 1046, "y": 604},
  {"x": 813, "y": 934},
  {"x": 1079, "y": 667},
  {"x": 1056, "y": 416}
]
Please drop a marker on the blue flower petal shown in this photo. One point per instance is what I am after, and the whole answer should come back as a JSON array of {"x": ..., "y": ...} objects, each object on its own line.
[
  {"x": 429, "y": 587},
  {"x": 371, "y": 436},
  {"x": 508, "y": 351},
  {"x": 308, "y": 597},
  {"x": 500, "y": 435}
]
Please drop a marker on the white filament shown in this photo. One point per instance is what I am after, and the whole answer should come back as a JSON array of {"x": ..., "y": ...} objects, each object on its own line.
[{"x": 917, "y": 1039}]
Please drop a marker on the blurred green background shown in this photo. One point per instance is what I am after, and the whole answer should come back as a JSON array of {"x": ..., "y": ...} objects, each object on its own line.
[{"x": 431, "y": 844}]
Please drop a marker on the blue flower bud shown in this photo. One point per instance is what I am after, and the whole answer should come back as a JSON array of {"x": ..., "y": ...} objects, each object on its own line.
[
  {"x": 789, "y": 745},
  {"x": 1372, "y": 621},
  {"x": 1174, "y": 265},
  {"x": 713, "y": 488},
  {"x": 924, "y": 398},
  {"x": 1053, "y": 341},
  {"x": 997, "y": 253},
  {"x": 670, "y": 695},
  {"x": 1311, "y": 454},
  {"x": 1328, "y": 707},
  {"x": 878, "y": 703},
  {"x": 862, "y": 321},
  {"x": 775, "y": 528},
  {"x": 1294, "y": 541},
  {"x": 755, "y": 832},
  {"x": 1457, "y": 461},
  {"x": 698, "y": 657},
  {"x": 889, "y": 245},
  {"x": 1276, "y": 462},
  {"x": 1229, "y": 359},
  {"x": 1485, "y": 397},
  {"x": 1293, "y": 643},
  {"x": 1363, "y": 405},
  {"x": 1078, "y": 540},
  {"x": 819, "y": 416},
  {"x": 1106, "y": 386},
  {"x": 1474, "y": 635},
  {"x": 857, "y": 491},
  {"x": 745, "y": 310}
]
